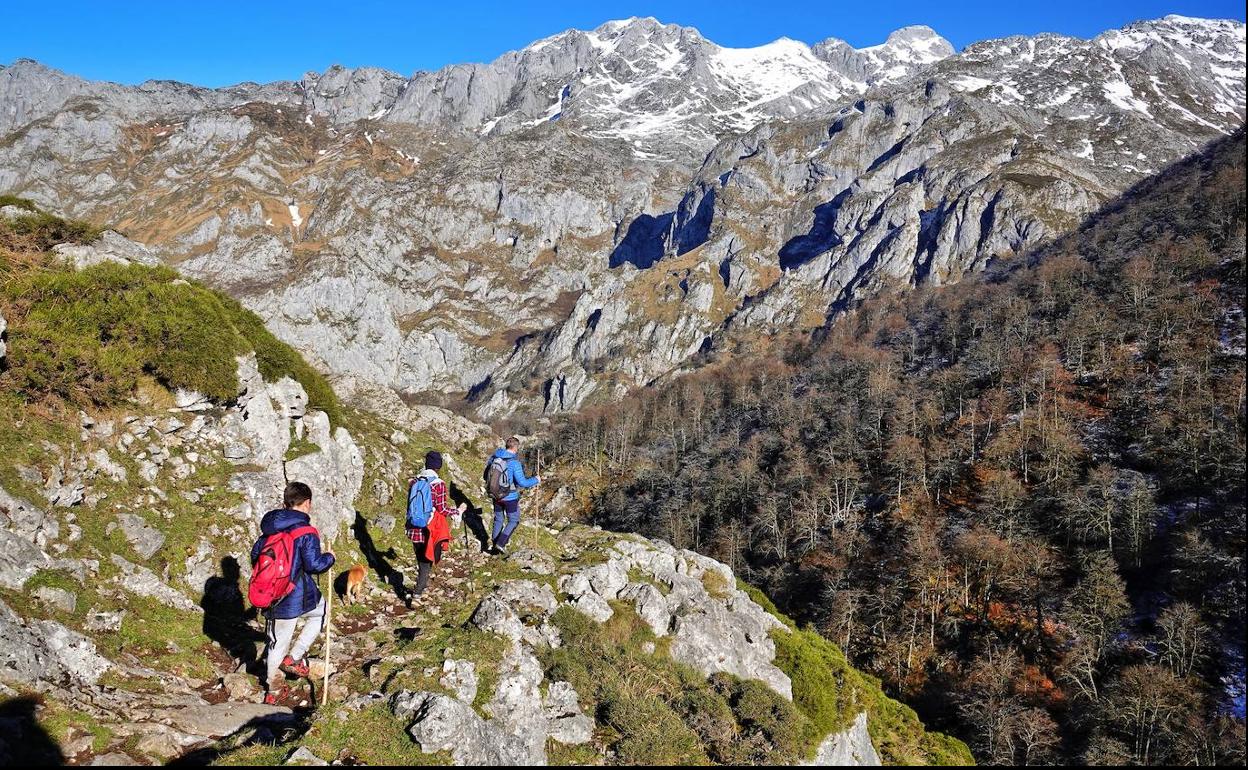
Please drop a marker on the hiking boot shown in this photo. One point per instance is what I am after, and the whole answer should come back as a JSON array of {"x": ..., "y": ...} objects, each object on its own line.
[
  {"x": 294, "y": 667},
  {"x": 275, "y": 697}
]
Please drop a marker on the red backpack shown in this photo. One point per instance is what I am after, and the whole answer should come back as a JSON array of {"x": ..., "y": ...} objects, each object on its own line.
[{"x": 271, "y": 578}]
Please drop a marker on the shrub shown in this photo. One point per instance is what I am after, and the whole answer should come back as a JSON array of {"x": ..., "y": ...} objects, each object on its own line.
[
  {"x": 13, "y": 200},
  {"x": 86, "y": 336},
  {"x": 651, "y": 733},
  {"x": 831, "y": 693},
  {"x": 773, "y": 727},
  {"x": 39, "y": 231}
]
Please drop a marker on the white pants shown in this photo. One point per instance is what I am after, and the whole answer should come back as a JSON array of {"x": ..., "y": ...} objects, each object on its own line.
[{"x": 282, "y": 631}]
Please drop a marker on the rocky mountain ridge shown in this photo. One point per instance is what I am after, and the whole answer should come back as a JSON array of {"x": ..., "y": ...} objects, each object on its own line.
[
  {"x": 539, "y": 267},
  {"x": 660, "y": 87}
]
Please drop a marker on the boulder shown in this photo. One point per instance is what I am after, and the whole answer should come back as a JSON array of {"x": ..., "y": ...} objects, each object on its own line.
[
  {"x": 651, "y": 606},
  {"x": 525, "y": 595},
  {"x": 442, "y": 723},
  {"x": 161, "y": 742},
  {"x": 57, "y": 598},
  {"x": 566, "y": 722},
  {"x": 106, "y": 465},
  {"x": 19, "y": 560},
  {"x": 239, "y": 685},
  {"x": 102, "y": 621},
  {"x": 256, "y": 421},
  {"x": 516, "y": 706},
  {"x": 304, "y": 756},
  {"x": 222, "y": 719},
  {"x": 144, "y": 582},
  {"x": 711, "y": 639},
  {"x": 112, "y": 759},
  {"x": 505, "y": 611},
  {"x": 335, "y": 472},
  {"x": 593, "y": 606},
  {"x": 26, "y": 520},
  {"x": 605, "y": 580},
  {"x": 145, "y": 539},
  {"x": 533, "y": 560},
  {"x": 44, "y": 650},
  {"x": 111, "y": 247},
  {"x": 191, "y": 401}
]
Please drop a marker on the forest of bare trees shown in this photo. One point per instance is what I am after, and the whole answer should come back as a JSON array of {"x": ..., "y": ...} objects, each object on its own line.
[{"x": 1018, "y": 500}]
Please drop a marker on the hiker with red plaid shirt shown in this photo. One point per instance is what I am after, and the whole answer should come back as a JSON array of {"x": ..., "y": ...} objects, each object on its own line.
[{"x": 430, "y": 541}]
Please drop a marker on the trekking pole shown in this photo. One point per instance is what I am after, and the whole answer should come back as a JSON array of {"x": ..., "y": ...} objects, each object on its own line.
[
  {"x": 329, "y": 606},
  {"x": 537, "y": 514}
]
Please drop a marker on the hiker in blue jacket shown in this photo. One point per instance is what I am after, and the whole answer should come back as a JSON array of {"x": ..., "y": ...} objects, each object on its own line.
[
  {"x": 305, "y": 601},
  {"x": 504, "y": 478}
]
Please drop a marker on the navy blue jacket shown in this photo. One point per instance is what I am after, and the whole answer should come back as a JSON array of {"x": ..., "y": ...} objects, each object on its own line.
[{"x": 309, "y": 561}]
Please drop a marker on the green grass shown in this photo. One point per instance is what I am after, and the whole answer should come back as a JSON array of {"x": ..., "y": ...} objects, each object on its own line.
[
  {"x": 562, "y": 755},
  {"x": 60, "y": 721},
  {"x": 41, "y": 231},
  {"x": 654, "y": 710},
  {"x": 761, "y": 599},
  {"x": 373, "y": 735},
  {"x": 831, "y": 693},
  {"x": 13, "y": 200},
  {"x": 255, "y": 755},
  {"x": 299, "y": 447},
  {"x": 87, "y": 337},
  {"x": 184, "y": 629}
]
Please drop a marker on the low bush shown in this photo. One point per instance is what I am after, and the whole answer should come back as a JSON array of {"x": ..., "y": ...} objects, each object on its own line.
[
  {"x": 658, "y": 711},
  {"x": 86, "y": 336}
]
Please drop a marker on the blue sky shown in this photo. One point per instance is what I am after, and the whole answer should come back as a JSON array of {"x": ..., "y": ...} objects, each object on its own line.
[{"x": 228, "y": 42}]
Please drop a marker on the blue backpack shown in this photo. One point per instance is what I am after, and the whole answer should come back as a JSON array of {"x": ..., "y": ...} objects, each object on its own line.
[{"x": 419, "y": 502}]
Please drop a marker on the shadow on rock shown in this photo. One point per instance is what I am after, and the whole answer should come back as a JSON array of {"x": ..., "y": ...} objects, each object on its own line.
[
  {"x": 273, "y": 730},
  {"x": 23, "y": 741},
  {"x": 227, "y": 619}
]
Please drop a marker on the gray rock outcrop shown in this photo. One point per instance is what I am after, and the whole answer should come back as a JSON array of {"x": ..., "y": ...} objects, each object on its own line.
[
  {"x": 442, "y": 723},
  {"x": 35, "y": 651},
  {"x": 849, "y": 747}
]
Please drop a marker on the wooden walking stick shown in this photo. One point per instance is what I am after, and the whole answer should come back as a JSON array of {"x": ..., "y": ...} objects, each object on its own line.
[
  {"x": 537, "y": 514},
  {"x": 329, "y": 606}
]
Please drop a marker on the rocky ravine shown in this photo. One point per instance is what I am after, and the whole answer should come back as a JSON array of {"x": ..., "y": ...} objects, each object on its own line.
[{"x": 532, "y": 243}]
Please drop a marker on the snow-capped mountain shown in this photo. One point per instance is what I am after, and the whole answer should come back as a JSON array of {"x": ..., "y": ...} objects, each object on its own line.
[
  {"x": 588, "y": 213},
  {"x": 662, "y": 88}
]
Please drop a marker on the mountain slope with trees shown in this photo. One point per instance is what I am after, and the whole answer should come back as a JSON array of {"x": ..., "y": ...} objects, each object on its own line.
[{"x": 1022, "y": 494}]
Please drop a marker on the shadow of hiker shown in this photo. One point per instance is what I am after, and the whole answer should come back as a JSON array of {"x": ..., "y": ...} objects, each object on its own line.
[
  {"x": 377, "y": 561},
  {"x": 23, "y": 741},
  {"x": 473, "y": 518},
  {"x": 227, "y": 619}
]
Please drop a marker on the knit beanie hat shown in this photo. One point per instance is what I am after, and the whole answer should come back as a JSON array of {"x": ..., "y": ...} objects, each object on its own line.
[{"x": 433, "y": 460}]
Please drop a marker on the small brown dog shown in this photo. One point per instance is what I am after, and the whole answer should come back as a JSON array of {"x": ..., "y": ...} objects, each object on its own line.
[{"x": 355, "y": 583}]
